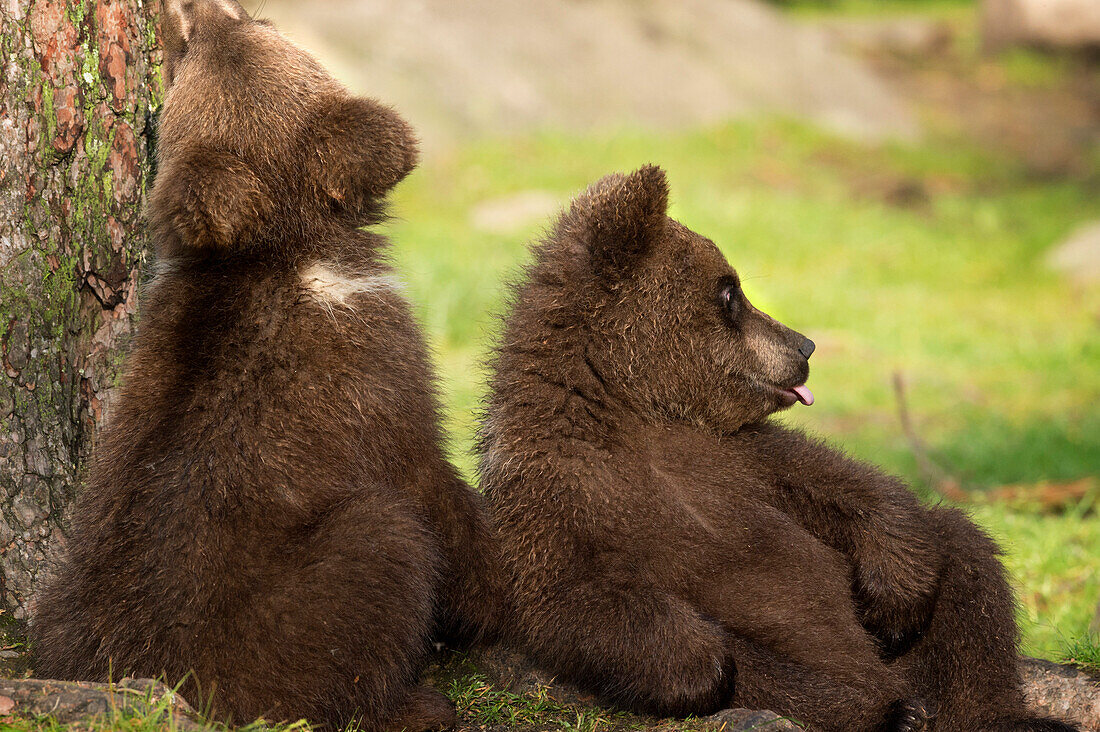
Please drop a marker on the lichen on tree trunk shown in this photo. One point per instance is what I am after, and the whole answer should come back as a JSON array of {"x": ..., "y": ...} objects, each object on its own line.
[{"x": 79, "y": 88}]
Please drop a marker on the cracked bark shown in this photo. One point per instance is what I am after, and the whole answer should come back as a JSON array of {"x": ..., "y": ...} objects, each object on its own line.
[{"x": 78, "y": 90}]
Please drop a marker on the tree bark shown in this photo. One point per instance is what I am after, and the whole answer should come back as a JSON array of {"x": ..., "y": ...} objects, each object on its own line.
[{"x": 79, "y": 90}]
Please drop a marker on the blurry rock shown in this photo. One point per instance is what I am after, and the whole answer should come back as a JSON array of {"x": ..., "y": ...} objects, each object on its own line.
[
  {"x": 461, "y": 69},
  {"x": 509, "y": 214},
  {"x": 1062, "y": 692},
  {"x": 1041, "y": 23},
  {"x": 73, "y": 701},
  {"x": 738, "y": 720},
  {"x": 1078, "y": 257},
  {"x": 899, "y": 36}
]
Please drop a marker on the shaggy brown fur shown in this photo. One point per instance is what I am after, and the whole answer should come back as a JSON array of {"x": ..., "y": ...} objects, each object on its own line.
[
  {"x": 270, "y": 510},
  {"x": 676, "y": 552}
]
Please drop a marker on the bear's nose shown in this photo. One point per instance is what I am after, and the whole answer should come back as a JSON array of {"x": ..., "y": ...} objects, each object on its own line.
[{"x": 807, "y": 348}]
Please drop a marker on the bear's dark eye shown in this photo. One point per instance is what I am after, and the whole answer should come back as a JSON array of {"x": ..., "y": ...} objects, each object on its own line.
[{"x": 729, "y": 297}]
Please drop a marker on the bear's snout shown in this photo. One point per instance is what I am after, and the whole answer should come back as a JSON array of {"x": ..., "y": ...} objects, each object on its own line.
[{"x": 807, "y": 348}]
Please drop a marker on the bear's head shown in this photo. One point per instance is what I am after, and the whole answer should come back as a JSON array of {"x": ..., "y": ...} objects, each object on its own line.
[
  {"x": 258, "y": 145},
  {"x": 666, "y": 320}
]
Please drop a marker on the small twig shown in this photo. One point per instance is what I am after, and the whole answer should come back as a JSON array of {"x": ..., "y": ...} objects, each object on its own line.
[{"x": 934, "y": 475}]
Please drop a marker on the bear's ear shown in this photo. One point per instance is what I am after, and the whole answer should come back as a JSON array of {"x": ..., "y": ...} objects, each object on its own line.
[
  {"x": 208, "y": 199},
  {"x": 621, "y": 217},
  {"x": 180, "y": 19},
  {"x": 363, "y": 149}
]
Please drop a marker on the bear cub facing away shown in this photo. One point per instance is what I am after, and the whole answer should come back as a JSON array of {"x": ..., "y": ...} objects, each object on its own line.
[
  {"x": 674, "y": 551},
  {"x": 269, "y": 514}
]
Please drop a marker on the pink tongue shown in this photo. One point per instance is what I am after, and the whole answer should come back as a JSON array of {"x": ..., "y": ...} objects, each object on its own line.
[{"x": 804, "y": 395}]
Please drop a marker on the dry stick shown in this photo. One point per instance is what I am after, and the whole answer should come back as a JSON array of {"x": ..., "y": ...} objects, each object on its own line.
[{"x": 937, "y": 478}]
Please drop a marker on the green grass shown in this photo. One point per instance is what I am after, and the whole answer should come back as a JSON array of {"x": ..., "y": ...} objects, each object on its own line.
[
  {"x": 1027, "y": 68},
  {"x": 1000, "y": 355},
  {"x": 874, "y": 7},
  {"x": 1055, "y": 563},
  {"x": 480, "y": 704},
  {"x": 1084, "y": 652}
]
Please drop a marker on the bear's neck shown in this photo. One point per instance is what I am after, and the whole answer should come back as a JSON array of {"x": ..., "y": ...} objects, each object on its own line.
[{"x": 552, "y": 385}]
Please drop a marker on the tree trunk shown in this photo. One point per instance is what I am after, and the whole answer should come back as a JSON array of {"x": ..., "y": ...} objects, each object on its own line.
[{"x": 79, "y": 89}]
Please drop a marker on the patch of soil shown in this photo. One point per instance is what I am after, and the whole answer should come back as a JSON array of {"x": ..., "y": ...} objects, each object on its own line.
[{"x": 1045, "y": 112}]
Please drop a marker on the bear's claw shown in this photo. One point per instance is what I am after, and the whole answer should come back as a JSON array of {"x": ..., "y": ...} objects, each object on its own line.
[{"x": 907, "y": 715}]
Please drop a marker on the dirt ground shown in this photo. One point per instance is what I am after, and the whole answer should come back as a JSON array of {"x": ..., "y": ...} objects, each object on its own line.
[{"x": 1041, "y": 108}]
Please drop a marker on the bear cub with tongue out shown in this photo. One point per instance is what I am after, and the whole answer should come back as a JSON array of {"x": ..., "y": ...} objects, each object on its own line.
[{"x": 673, "y": 550}]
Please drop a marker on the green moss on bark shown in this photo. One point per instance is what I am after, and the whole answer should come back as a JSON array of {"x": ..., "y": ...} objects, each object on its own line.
[{"x": 73, "y": 244}]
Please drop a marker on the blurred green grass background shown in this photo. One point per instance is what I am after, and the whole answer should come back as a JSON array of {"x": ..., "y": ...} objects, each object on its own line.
[{"x": 941, "y": 278}]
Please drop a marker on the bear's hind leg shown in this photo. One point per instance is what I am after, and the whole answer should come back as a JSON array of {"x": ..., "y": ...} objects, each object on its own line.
[
  {"x": 799, "y": 648},
  {"x": 340, "y": 631},
  {"x": 471, "y": 601},
  {"x": 765, "y": 680},
  {"x": 65, "y": 641},
  {"x": 637, "y": 647},
  {"x": 965, "y": 662},
  {"x": 424, "y": 709}
]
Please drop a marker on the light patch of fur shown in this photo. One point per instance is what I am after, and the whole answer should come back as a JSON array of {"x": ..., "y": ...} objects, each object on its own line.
[
  {"x": 230, "y": 9},
  {"x": 175, "y": 7},
  {"x": 165, "y": 266},
  {"x": 333, "y": 288},
  {"x": 768, "y": 351},
  {"x": 161, "y": 272}
]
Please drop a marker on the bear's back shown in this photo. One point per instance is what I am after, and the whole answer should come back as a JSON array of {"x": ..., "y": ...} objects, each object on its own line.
[{"x": 252, "y": 403}]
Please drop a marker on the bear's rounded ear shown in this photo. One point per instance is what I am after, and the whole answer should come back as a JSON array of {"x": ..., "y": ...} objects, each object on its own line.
[
  {"x": 208, "y": 199},
  {"x": 181, "y": 18},
  {"x": 621, "y": 217},
  {"x": 363, "y": 149}
]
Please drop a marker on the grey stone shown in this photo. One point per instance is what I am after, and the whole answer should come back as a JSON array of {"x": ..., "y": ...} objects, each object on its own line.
[
  {"x": 508, "y": 214},
  {"x": 461, "y": 69},
  {"x": 1062, "y": 692},
  {"x": 1043, "y": 23},
  {"x": 1078, "y": 257},
  {"x": 742, "y": 720},
  {"x": 905, "y": 36}
]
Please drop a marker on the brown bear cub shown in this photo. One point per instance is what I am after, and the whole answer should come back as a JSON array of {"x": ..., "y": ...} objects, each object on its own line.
[
  {"x": 270, "y": 515},
  {"x": 674, "y": 551}
]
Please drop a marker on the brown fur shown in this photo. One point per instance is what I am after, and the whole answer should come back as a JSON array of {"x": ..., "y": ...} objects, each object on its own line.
[
  {"x": 676, "y": 552},
  {"x": 269, "y": 512}
]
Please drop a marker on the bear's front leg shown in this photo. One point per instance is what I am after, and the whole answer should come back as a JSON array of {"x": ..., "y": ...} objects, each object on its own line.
[
  {"x": 870, "y": 518},
  {"x": 894, "y": 588}
]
